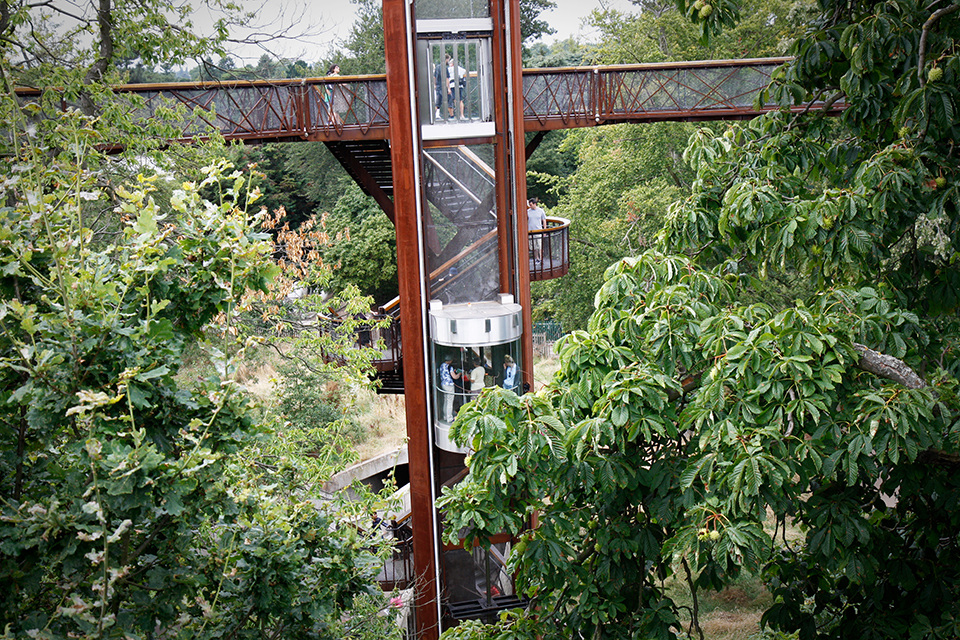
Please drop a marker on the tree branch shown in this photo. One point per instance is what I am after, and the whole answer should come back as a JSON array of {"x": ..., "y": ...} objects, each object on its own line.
[
  {"x": 888, "y": 367},
  {"x": 105, "y": 57},
  {"x": 4, "y": 16},
  {"x": 870, "y": 361},
  {"x": 922, "y": 49},
  {"x": 695, "y": 614},
  {"x": 829, "y": 102}
]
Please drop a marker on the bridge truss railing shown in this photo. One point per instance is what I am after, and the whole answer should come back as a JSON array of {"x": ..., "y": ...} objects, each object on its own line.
[
  {"x": 584, "y": 96},
  {"x": 327, "y": 109},
  {"x": 315, "y": 108},
  {"x": 355, "y": 107}
]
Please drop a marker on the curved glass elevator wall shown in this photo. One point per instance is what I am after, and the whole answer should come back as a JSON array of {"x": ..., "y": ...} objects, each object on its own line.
[{"x": 473, "y": 346}]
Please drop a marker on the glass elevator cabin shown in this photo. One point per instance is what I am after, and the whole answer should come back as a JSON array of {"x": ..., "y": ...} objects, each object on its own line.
[{"x": 475, "y": 326}]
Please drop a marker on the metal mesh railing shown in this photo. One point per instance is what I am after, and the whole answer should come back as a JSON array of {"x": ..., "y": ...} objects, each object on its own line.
[
  {"x": 398, "y": 570},
  {"x": 355, "y": 107},
  {"x": 316, "y": 108},
  {"x": 574, "y": 96},
  {"x": 550, "y": 250}
]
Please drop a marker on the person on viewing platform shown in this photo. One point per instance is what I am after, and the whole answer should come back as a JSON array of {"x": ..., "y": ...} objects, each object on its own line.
[{"x": 536, "y": 220}]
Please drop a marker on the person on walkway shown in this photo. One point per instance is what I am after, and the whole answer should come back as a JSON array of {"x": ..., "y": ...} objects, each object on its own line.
[
  {"x": 447, "y": 375},
  {"x": 536, "y": 220},
  {"x": 333, "y": 99}
]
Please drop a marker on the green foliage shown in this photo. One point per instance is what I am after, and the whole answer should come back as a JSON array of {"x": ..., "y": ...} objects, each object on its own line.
[
  {"x": 549, "y": 167},
  {"x": 870, "y": 201},
  {"x": 362, "y": 251},
  {"x": 54, "y": 39},
  {"x": 627, "y": 175},
  {"x": 660, "y": 32},
  {"x": 531, "y": 26},
  {"x": 562, "y": 53},
  {"x": 687, "y": 412},
  {"x": 363, "y": 50},
  {"x": 874, "y": 201},
  {"x": 677, "y": 420},
  {"x": 309, "y": 406},
  {"x": 127, "y": 505},
  {"x": 302, "y": 178}
]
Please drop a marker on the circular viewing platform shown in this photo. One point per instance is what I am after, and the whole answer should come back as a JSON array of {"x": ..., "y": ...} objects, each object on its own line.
[{"x": 550, "y": 250}]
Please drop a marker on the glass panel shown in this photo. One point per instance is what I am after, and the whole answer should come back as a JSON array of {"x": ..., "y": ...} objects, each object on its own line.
[
  {"x": 434, "y": 9},
  {"x": 461, "y": 224},
  {"x": 451, "y": 386},
  {"x": 455, "y": 79},
  {"x": 460, "y": 373},
  {"x": 478, "y": 576}
]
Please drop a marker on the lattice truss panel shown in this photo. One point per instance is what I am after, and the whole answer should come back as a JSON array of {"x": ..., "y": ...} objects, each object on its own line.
[
  {"x": 261, "y": 110},
  {"x": 681, "y": 90},
  {"x": 574, "y": 96}
]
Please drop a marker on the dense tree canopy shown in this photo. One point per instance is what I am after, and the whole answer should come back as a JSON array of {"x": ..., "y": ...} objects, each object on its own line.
[
  {"x": 688, "y": 427},
  {"x": 129, "y": 502},
  {"x": 139, "y": 498},
  {"x": 625, "y": 179},
  {"x": 364, "y": 246}
]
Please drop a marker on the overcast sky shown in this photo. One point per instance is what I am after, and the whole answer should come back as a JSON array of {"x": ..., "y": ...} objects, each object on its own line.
[
  {"x": 568, "y": 15},
  {"x": 334, "y": 17}
]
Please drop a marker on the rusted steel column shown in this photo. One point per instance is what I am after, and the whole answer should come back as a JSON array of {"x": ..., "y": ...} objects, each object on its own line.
[
  {"x": 404, "y": 155},
  {"x": 501, "y": 117},
  {"x": 518, "y": 152}
]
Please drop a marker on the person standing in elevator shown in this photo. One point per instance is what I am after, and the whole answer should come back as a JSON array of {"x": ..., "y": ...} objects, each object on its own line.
[
  {"x": 477, "y": 374},
  {"x": 447, "y": 376},
  {"x": 456, "y": 85},
  {"x": 509, "y": 373}
]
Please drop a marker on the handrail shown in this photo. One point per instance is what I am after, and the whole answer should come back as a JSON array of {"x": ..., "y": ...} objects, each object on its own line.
[
  {"x": 558, "y": 223},
  {"x": 650, "y": 66},
  {"x": 477, "y": 160},
  {"x": 443, "y": 285},
  {"x": 287, "y": 82},
  {"x": 554, "y": 223},
  {"x": 387, "y": 309},
  {"x": 436, "y": 273},
  {"x": 549, "y": 250},
  {"x": 231, "y": 83}
]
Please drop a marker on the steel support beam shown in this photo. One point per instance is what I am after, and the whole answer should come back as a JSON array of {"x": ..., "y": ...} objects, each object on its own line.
[{"x": 397, "y": 25}]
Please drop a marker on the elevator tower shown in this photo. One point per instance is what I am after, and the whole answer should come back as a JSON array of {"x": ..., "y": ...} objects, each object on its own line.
[{"x": 457, "y": 149}]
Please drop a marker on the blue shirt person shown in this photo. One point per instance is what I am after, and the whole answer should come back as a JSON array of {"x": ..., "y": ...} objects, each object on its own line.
[
  {"x": 447, "y": 375},
  {"x": 509, "y": 373}
]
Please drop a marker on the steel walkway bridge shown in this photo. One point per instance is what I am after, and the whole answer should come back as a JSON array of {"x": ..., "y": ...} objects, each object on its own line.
[{"x": 554, "y": 98}]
